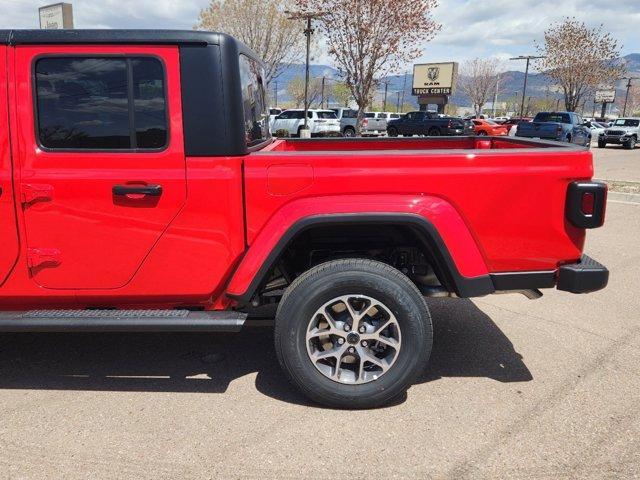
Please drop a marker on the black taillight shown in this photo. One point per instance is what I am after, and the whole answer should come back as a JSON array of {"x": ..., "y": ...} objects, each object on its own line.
[{"x": 586, "y": 204}]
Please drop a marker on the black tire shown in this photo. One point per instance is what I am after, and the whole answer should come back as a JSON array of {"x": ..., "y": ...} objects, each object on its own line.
[
  {"x": 631, "y": 144},
  {"x": 349, "y": 132},
  {"x": 392, "y": 132},
  {"x": 336, "y": 278},
  {"x": 433, "y": 132},
  {"x": 602, "y": 144}
]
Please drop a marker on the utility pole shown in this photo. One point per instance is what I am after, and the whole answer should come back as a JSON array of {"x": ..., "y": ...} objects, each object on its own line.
[
  {"x": 528, "y": 58},
  {"x": 322, "y": 97},
  {"x": 626, "y": 97},
  {"x": 308, "y": 31},
  {"x": 398, "y": 102},
  {"x": 275, "y": 92},
  {"x": 384, "y": 102},
  {"x": 404, "y": 86}
]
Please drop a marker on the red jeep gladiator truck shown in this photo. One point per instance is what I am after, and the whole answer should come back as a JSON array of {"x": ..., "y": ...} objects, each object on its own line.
[{"x": 141, "y": 191}]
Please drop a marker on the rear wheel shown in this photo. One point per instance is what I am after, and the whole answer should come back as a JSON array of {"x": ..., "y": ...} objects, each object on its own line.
[
  {"x": 349, "y": 132},
  {"x": 434, "y": 132},
  {"x": 353, "y": 333},
  {"x": 392, "y": 132}
]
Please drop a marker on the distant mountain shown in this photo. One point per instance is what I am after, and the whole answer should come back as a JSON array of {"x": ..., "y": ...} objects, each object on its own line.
[
  {"x": 538, "y": 84},
  {"x": 633, "y": 62}
]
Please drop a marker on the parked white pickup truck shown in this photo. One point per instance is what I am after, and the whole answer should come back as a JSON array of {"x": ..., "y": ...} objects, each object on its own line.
[{"x": 375, "y": 123}]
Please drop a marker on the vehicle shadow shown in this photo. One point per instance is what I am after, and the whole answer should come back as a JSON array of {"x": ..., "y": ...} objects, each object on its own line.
[{"x": 467, "y": 343}]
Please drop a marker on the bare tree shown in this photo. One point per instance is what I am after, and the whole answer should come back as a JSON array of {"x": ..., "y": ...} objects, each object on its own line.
[
  {"x": 262, "y": 25},
  {"x": 478, "y": 79},
  {"x": 579, "y": 59},
  {"x": 369, "y": 39},
  {"x": 295, "y": 89}
]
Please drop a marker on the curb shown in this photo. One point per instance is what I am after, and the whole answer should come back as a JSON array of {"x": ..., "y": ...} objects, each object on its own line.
[{"x": 623, "y": 197}]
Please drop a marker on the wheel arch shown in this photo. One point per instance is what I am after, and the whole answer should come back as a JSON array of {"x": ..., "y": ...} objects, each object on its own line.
[{"x": 252, "y": 273}]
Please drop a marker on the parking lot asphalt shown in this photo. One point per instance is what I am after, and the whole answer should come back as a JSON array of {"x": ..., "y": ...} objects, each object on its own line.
[
  {"x": 515, "y": 389},
  {"x": 616, "y": 163}
]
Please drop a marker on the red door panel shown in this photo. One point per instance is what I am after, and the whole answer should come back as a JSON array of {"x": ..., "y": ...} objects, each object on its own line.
[
  {"x": 80, "y": 235},
  {"x": 8, "y": 232}
]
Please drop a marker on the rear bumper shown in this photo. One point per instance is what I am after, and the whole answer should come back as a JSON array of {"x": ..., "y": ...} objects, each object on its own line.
[{"x": 583, "y": 277}]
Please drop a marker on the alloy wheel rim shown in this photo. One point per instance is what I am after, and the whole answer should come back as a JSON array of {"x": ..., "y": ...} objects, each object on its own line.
[{"x": 353, "y": 339}]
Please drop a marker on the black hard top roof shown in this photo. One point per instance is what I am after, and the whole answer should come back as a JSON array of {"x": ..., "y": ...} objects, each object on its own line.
[{"x": 172, "y": 37}]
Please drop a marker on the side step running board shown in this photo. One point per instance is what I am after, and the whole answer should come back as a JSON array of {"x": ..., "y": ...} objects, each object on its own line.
[{"x": 121, "y": 321}]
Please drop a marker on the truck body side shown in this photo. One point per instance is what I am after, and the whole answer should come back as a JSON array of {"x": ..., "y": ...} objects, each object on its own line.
[{"x": 484, "y": 214}]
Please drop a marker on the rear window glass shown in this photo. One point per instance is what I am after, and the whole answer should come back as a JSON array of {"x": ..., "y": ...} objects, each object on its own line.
[
  {"x": 327, "y": 115},
  {"x": 553, "y": 117},
  {"x": 369, "y": 115},
  {"x": 254, "y": 104},
  {"x": 101, "y": 103}
]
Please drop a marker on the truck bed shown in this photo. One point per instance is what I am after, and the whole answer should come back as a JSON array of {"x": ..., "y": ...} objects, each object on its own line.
[{"x": 416, "y": 143}]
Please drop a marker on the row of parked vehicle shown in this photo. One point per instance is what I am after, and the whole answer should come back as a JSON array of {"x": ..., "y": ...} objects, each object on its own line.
[
  {"x": 342, "y": 121},
  {"x": 336, "y": 121},
  {"x": 559, "y": 126}
]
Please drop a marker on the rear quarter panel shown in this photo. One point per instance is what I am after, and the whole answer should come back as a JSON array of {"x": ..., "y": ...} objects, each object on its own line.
[{"x": 511, "y": 201}]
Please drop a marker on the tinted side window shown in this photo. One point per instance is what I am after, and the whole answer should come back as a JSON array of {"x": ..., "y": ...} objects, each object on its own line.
[
  {"x": 150, "y": 118},
  {"x": 254, "y": 103},
  {"x": 89, "y": 103}
]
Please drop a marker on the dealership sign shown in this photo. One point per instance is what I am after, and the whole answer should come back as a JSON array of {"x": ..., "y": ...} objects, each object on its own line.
[
  {"x": 605, "y": 96},
  {"x": 58, "y": 16},
  {"x": 434, "y": 78}
]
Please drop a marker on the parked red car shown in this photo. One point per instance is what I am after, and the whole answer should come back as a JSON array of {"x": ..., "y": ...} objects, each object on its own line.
[
  {"x": 140, "y": 190},
  {"x": 489, "y": 127}
]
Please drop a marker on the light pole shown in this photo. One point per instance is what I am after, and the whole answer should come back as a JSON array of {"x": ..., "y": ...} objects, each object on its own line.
[
  {"x": 528, "y": 58},
  {"x": 308, "y": 31},
  {"x": 384, "y": 102},
  {"x": 495, "y": 96}
]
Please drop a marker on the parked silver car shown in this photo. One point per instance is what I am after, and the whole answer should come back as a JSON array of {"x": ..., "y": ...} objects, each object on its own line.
[{"x": 623, "y": 131}]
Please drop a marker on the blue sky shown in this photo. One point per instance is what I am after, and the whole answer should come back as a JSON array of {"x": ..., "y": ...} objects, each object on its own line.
[{"x": 471, "y": 28}]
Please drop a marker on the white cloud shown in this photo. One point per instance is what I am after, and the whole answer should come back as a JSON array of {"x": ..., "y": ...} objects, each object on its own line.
[{"x": 471, "y": 28}]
